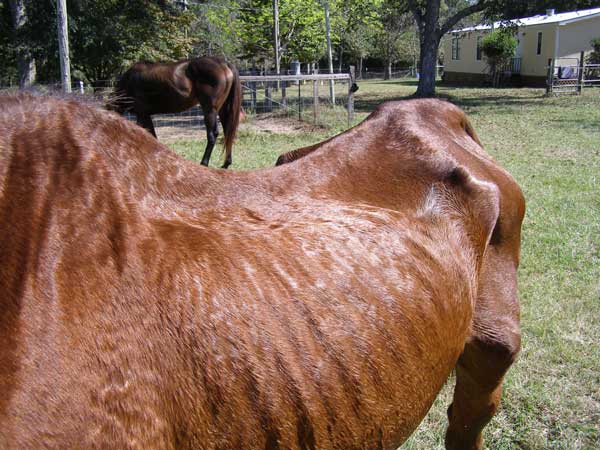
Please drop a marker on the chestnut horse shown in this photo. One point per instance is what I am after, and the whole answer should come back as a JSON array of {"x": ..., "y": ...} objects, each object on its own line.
[
  {"x": 157, "y": 88},
  {"x": 321, "y": 304}
]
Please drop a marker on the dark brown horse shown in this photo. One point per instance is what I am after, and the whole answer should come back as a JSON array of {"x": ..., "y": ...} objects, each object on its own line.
[
  {"x": 149, "y": 303},
  {"x": 157, "y": 88}
]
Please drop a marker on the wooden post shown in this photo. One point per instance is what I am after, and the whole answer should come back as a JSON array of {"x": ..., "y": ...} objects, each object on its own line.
[
  {"x": 329, "y": 57},
  {"x": 316, "y": 101},
  {"x": 299, "y": 102},
  {"x": 63, "y": 45},
  {"x": 276, "y": 39},
  {"x": 550, "y": 76},
  {"x": 580, "y": 73},
  {"x": 351, "y": 96},
  {"x": 268, "y": 102},
  {"x": 253, "y": 91},
  {"x": 283, "y": 95}
]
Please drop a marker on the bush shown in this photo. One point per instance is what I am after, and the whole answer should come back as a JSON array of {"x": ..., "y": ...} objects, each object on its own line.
[
  {"x": 594, "y": 57},
  {"x": 498, "y": 47}
]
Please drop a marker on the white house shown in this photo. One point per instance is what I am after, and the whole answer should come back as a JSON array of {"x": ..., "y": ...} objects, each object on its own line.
[{"x": 559, "y": 37}]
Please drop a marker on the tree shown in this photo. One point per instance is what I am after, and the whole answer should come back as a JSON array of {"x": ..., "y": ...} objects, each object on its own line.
[
  {"x": 8, "y": 68},
  {"x": 434, "y": 19},
  {"x": 105, "y": 35},
  {"x": 498, "y": 48},
  {"x": 25, "y": 62},
  {"x": 301, "y": 28},
  {"x": 109, "y": 35},
  {"x": 594, "y": 57},
  {"x": 432, "y": 26},
  {"x": 355, "y": 23},
  {"x": 303, "y": 38},
  {"x": 395, "y": 39},
  {"x": 217, "y": 29}
]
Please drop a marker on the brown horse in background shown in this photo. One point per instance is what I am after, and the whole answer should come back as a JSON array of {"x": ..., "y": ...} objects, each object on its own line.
[
  {"x": 157, "y": 88},
  {"x": 149, "y": 303}
]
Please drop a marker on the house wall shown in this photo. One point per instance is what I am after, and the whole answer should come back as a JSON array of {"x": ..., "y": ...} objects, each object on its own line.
[
  {"x": 532, "y": 64},
  {"x": 468, "y": 53},
  {"x": 575, "y": 37}
]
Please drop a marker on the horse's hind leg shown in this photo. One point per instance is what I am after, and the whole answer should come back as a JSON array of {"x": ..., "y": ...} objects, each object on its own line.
[
  {"x": 212, "y": 132},
  {"x": 145, "y": 121},
  {"x": 228, "y": 159},
  {"x": 489, "y": 352}
]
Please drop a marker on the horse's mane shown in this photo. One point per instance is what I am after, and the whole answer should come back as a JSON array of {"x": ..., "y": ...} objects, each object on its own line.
[{"x": 35, "y": 94}]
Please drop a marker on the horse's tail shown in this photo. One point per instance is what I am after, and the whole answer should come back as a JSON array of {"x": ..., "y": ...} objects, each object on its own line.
[{"x": 230, "y": 113}]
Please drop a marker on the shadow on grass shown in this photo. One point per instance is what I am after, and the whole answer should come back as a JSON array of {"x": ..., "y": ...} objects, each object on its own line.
[
  {"x": 494, "y": 100},
  {"x": 463, "y": 96},
  {"x": 369, "y": 104},
  {"x": 582, "y": 123},
  {"x": 409, "y": 82}
]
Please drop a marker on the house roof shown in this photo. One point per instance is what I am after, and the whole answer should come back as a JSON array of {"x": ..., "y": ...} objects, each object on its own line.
[{"x": 540, "y": 19}]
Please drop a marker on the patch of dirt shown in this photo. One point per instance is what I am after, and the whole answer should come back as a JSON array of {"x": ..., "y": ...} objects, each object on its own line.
[
  {"x": 184, "y": 128},
  {"x": 279, "y": 125},
  {"x": 169, "y": 134}
]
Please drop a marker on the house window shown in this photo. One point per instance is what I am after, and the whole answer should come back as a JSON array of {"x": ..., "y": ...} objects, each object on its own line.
[
  {"x": 455, "y": 48},
  {"x": 479, "y": 41},
  {"x": 539, "y": 44}
]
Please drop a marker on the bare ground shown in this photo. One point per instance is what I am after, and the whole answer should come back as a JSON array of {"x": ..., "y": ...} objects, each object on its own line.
[{"x": 192, "y": 128}]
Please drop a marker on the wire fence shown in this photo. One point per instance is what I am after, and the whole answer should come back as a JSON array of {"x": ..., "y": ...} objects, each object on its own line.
[
  {"x": 571, "y": 75},
  {"x": 304, "y": 98}
]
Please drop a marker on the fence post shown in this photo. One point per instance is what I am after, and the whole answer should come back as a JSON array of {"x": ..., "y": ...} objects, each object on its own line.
[
  {"x": 316, "y": 101},
  {"x": 299, "y": 101},
  {"x": 351, "y": 95},
  {"x": 580, "y": 74},
  {"x": 283, "y": 95},
  {"x": 253, "y": 92},
  {"x": 268, "y": 100},
  {"x": 550, "y": 76}
]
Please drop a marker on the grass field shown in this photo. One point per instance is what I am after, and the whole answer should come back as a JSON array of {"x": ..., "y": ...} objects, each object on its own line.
[{"x": 552, "y": 147}]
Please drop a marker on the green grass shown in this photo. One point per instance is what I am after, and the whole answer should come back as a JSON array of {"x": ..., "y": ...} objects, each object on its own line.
[{"x": 551, "y": 145}]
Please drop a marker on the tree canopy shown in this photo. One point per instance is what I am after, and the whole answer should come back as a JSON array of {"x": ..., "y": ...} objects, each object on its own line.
[{"x": 106, "y": 36}]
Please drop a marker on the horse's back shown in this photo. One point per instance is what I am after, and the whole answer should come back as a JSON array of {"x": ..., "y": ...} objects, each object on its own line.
[{"x": 148, "y": 308}]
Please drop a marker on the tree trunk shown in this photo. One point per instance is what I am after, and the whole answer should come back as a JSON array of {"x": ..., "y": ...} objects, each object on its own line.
[
  {"x": 388, "y": 70},
  {"x": 26, "y": 70},
  {"x": 430, "y": 33},
  {"x": 341, "y": 54},
  {"x": 428, "y": 63},
  {"x": 360, "y": 68},
  {"x": 429, "y": 40},
  {"x": 25, "y": 62}
]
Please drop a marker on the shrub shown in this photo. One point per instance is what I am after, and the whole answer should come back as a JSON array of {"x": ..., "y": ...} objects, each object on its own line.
[
  {"x": 594, "y": 57},
  {"x": 498, "y": 47}
]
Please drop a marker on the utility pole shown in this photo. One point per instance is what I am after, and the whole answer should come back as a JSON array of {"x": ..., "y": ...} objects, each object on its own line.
[
  {"x": 329, "y": 57},
  {"x": 183, "y": 4},
  {"x": 276, "y": 34},
  {"x": 63, "y": 45}
]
